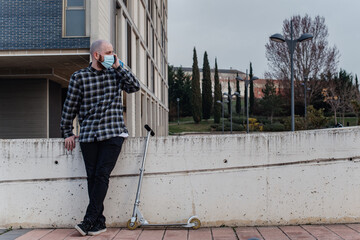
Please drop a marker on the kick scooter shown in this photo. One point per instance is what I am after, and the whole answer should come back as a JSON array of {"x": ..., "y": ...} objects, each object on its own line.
[{"x": 137, "y": 218}]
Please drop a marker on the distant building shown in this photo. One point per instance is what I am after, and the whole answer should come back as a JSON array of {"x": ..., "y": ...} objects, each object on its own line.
[
  {"x": 42, "y": 42},
  {"x": 226, "y": 75},
  {"x": 259, "y": 85}
]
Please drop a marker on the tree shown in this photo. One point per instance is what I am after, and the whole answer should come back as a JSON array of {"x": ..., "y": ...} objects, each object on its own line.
[
  {"x": 195, "y": 90},
  {"x": 206, "y": 89},
  {"x": 229, "y": 96},
  {"x": 357, "y": 86},
  {"x": 340, "y": 94},
  {"x": 331, "y": 97},
  {"x": 179, "y": 87},
  {"x": 346, "y": 92},
  {"x": 217, "y": 95},
  {"x": 183, "y": 92},
  {"x": 271, "y": 102},
  {"x": 172, "y": 98},
  {"x": 312, "y": 59},
  {"x": 251, "y": 94},
  {"x": 186, "y": 99},
  {"x": 238, "y": 98}
]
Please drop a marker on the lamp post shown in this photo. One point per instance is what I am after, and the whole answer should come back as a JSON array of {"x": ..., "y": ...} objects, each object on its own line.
[
  {"x": 229, "y": 97},
  {"x": 178, "y": 111},
  {"x": 291, "y": 43},
  {"x": 247, "y": 81},
  {"x": 222, "y": 111}
]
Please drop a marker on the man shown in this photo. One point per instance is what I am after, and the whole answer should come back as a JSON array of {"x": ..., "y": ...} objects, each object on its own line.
[{"x": 94, "y": 94}]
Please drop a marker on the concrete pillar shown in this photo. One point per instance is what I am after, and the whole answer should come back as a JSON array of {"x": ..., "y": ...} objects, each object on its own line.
[
  {"x": 130, "y": 114},
  {"x": 144, "y": 118},
  {"x": 138, "y": 125}
]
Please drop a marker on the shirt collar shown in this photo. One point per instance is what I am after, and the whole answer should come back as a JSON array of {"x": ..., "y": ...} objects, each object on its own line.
[{"x": 94, "y": 70}]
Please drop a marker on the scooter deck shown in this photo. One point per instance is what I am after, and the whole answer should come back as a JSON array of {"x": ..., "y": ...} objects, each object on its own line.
[{"x": 166, "y": 225}]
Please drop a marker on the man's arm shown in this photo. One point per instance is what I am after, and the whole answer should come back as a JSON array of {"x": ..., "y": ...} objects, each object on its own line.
[
  {"x": 70, "y": 109},
  {"x": 128, "y": 82}
]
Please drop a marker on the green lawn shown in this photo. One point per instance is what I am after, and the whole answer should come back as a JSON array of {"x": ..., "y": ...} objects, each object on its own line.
[
  {"x": 187, "y": 125},
  {"x": 352, "y": 120}
]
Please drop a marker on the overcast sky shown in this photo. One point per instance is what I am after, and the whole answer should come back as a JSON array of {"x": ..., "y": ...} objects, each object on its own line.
[{"x": 236, "y": 31}]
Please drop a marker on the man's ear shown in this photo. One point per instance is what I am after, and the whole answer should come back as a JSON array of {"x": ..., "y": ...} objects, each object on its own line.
[{"x": 97, "y": 56}]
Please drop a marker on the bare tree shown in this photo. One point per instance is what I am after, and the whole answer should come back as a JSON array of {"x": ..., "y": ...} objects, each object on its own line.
[
  {"x": 347, "y": 92},
  {"x": 331, "y": 97},
  {"x": 312, "y": 59},
  {"x": 341, "y": 94}
]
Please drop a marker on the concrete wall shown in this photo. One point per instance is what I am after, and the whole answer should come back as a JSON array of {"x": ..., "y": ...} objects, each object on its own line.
[{"x": 256, "y": 179}]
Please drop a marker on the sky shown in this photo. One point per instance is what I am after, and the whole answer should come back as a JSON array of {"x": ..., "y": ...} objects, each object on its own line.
[{"x": 236, "y": 31}]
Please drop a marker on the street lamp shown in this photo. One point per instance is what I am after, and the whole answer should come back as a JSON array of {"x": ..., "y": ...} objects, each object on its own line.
[
  {"x": 247, "y": 81},
  {"x": 222, "y": 113},
  {"x": 229, "y": 97},
  {"x": 178, "y": 111},
  {"x": 291, "y": 43}
]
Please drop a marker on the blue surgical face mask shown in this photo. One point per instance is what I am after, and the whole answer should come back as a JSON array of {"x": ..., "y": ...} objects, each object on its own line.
[{"x": 108, "y": 61}]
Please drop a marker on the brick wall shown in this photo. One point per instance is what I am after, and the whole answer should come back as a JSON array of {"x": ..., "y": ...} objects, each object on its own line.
[{"x": 34, "y": 24}]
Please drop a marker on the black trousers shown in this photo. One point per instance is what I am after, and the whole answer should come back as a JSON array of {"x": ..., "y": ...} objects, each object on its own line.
[{"x": 100, "y": 158}]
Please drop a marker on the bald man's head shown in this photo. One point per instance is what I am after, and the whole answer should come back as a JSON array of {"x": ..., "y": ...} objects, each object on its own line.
[{"x": 98, "y": 46}]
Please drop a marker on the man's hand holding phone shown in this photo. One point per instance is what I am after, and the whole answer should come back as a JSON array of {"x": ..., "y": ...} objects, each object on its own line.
[{"x": 117, "y": 62}]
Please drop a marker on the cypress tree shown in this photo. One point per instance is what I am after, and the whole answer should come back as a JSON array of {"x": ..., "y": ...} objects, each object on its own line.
[
  {"x": 206, "y": 89},
  {"x": 245, "y": 93},
  {"x": 238, "y": 99},
  {"x": 252, "y": 96},
  {"x": 217, "y": 95},
  {"x": 195, "y": 87},
  {"x": 229, "y": 96}
]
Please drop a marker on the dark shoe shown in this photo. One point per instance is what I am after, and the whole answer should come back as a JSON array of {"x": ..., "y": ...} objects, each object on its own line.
[
  {"x": 97, "y": 229},
  {"x": 83, "y": 227}
]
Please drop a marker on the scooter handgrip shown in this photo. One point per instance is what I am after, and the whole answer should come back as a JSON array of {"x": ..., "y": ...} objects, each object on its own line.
[{"x": 149, "y": 130}]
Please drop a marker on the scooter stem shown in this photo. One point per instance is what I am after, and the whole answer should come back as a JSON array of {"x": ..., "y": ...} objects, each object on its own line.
[{"x": 142, "y": 170}]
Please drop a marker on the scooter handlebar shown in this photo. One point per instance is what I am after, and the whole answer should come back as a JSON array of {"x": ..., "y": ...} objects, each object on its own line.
[{"x": 149, "y": 130}]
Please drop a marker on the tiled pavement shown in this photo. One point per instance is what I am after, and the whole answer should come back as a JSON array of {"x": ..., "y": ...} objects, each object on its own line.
[{"x": 304, "y": 232}]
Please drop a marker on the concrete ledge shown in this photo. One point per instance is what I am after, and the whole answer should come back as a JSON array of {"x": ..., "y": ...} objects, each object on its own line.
[{"x": 302, "y": 177}]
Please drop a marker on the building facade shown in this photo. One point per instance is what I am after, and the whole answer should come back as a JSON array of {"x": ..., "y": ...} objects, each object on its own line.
[
  {"x": 229, "y": 75},
  {"x": 43, "y": 42},
  {"x": 225, "y": 76}
]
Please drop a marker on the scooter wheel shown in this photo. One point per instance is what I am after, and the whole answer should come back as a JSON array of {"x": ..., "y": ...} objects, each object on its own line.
[
  {"x": 132, "y": 226},
  {"x": 197, "y": 223}
]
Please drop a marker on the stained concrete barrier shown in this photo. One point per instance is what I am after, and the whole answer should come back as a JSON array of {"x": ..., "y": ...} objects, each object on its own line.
[{"x": 241, "y": 179}]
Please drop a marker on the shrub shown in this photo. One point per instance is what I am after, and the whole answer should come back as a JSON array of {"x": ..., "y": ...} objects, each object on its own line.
[
  {"x": 299, "y": 123},
  {"x": 254, "y": 125},
  {"x": 263, "y": 120},
  {"x": 316, "y": 118},
  {"x": 227, "y": 127},
  {"x": 239, "y": 120},
  {"x": 275, "y": 127}
]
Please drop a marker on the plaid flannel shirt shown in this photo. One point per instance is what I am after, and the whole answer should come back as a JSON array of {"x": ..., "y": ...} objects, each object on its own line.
[{"x": 95, "y": 96}]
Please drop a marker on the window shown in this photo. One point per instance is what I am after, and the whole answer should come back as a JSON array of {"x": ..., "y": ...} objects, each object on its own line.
[
  {"x": 74, "y": 18},
  {"x": 152, "y": 77},
  {"x": 128, "y": 47}
]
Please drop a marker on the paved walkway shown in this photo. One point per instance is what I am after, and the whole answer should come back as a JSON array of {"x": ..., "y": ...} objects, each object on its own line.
[{"x": 304, "y": 232}]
